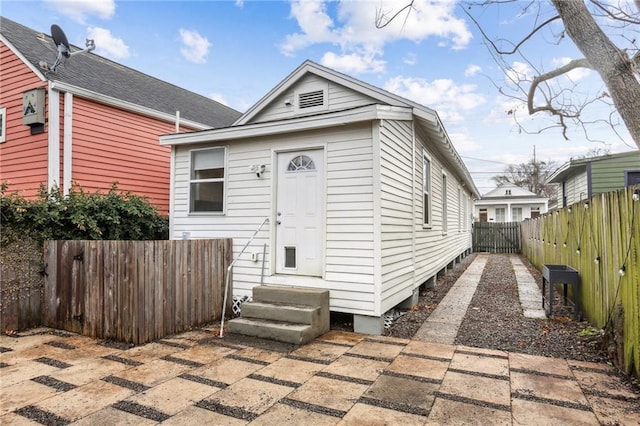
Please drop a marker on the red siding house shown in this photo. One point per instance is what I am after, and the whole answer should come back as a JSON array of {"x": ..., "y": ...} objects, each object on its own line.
[{"x": 92, "y": 122}]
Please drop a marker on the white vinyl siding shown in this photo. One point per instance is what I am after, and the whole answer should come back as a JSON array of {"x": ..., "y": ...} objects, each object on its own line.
[
  {"x": 396, "y": 214},
  {"x": 337, "y": 98},
  {"x": 433, "y": 250},
  {"x": 349, "y": 229}
]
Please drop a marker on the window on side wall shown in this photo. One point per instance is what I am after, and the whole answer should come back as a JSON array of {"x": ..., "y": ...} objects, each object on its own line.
[
  {"x": 426, "y": 191},
  {"x": 516, "y": 214},
  {"x": 445, "y": 221},
  {"x": 3, "y": 124},
  {"x": 207, "y": 178}
]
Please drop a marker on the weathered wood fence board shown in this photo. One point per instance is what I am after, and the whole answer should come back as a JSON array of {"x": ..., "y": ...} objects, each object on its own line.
[
  {"x": 134, "y": 291},
  {"x": 496, "y": 237},
  {"x": 21, "y": 286},
  {"x": 597, "y": 240}
]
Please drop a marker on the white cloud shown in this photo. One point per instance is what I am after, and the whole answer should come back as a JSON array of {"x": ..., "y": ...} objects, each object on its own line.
[
  {"x": 575, "y": 74},
  {"x": 410, "y": 59},
  {"x": 240, "y": 3},
  {"x": 443, "y": 95},
  {"x": 195, "y": 47},
  {"x": 79, "y": 10},
  {"x": 518, "y": 72},
  {"x": 464, "y": 142},
  {"x": 219, "y": 97},
  {"x": 108, "y": 45},
  {"x": 353, "y": 63},
  {"x": 472, "y": 70},
  {"x": 354, "y": 28}
]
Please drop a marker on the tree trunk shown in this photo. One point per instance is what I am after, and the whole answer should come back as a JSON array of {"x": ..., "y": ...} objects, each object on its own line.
[{"x": 613, "y": 65}]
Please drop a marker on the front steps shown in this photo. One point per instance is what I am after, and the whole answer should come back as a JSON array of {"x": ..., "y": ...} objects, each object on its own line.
[{"x": 285, "y": 314}]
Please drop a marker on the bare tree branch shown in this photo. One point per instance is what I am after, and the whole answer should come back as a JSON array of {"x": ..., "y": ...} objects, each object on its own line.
[
  {"x": 516, "y": 46},
  {"x": 382, "y": 20},
  {"x": 576, "y": 63}
]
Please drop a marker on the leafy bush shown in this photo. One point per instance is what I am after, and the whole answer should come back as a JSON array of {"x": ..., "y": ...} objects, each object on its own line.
[{"x": 79, "y": 216}]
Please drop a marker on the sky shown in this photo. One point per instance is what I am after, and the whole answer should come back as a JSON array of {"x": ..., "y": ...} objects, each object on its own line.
[{"x": 434, "y": 54}]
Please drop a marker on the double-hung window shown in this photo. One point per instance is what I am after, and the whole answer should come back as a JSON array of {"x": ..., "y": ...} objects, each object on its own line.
[
  {"x": 445, "y": 220},
  {"x": 3, "y": 124},
  {"x": 207, "y": 176},
  {"x": 426, "y": 191}
]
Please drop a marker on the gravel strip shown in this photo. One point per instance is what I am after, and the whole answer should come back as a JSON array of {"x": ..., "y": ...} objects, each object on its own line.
[
  {"x": 4, "y": 364},
  {"x": 479, "y": 374},
  {"x": 344, "y": 378},
  {"x": 314, "y": 408},
  {"x": 307, "y": 359},
  {"x": 528, "y": 397},
  {"x": 3, "y": 349},
  {"x": 477, "y": 402},
  {"x": 121, "y": 360},
  {"x": 247, "y": 359},
  {"x": 396, "y": 406},
  {"x": 410, "y": 377},
  {"x": 274, "y": 380},
  {"x": 54, "y": 383},
  {"x": 61, "y": 345},
  {"x": 236, "y": 412},
  {"x": 181, "y": 361},
  {"x": 119, "y": 381},
  {"x": 52, "y": 362},
  {"x": 141, "y": 410},
  {"x": 41, "y": 416},
  {"x": 372, "y": 358},
  {"x": 541, "y": 373},
  {"x": 173, "y": 344},
  {"x": 203, "y": 380}
]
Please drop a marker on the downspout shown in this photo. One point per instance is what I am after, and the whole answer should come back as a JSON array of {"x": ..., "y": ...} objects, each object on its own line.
[
  {"x": 53, "y": 141},
  {"x": 67, "y": 157},
  {"x": 589, "y": 184}
]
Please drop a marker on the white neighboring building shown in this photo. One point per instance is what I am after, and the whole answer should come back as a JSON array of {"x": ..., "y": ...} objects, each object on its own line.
[{"x": 509, "y": 203}]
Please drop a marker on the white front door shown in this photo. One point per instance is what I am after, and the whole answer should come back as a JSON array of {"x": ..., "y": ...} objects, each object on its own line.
[{"x": 299, "y": 214}]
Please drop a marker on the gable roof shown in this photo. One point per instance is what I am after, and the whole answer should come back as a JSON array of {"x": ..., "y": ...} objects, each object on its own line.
[
  {"x": 573, "y": 167},
  {"x": 386, "y": 105},
  {"x": 101, "y": 77},
  {"x": 310, "y": 67},
  {"x": 515, "y": 191}
]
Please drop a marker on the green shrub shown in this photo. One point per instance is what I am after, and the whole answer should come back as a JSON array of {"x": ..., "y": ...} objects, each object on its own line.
[{"x": 79, "y": 216}]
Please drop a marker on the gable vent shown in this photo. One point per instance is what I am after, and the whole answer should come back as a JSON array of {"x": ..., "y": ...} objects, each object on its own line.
[{"x": 311, "y": 99}]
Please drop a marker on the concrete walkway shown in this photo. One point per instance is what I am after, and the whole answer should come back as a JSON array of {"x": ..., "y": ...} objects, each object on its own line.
[
  {"x": 528, "y": 290},
  {"x": 443, "y": 323}
]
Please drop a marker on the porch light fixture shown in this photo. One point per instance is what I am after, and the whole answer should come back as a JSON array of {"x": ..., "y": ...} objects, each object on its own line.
[
  {"x": 596, "y": 260},
  {"x": 636, "y": 195},
  {"x": 586, "y": 204},
  {"x": 578, "y": 250},
  {"x": 564, "y": 244},
  {"x": 622, "y": 271}
]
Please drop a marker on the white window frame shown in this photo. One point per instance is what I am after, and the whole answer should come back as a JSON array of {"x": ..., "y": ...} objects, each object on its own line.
[
  {"x": 503, "y": 211},
  {"x": 223, "y": 180},
  {"x": 513, "y": 214},
  {"x": 427, "y": 193},
  {"x": 445, "y": 209},
  {"x": 3, "y": 124}
]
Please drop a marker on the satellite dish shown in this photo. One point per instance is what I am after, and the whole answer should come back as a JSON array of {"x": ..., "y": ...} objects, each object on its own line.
[
  {"x": 64, "y": 50},
  {"x": 60, "y": 39}
]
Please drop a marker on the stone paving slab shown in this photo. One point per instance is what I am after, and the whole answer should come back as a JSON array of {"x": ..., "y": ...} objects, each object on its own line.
[{"x": 340, "y": 378}]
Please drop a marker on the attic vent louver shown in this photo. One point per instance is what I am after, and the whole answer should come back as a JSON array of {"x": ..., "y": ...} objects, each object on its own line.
[{"x": 311, "y": 99}]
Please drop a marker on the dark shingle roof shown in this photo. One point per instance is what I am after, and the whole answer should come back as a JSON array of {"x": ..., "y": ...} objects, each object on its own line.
[{"x": 98, "y": 74}]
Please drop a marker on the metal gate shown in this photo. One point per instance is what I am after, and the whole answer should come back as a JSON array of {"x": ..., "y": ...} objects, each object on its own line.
[{"x": 496, "y": 237}]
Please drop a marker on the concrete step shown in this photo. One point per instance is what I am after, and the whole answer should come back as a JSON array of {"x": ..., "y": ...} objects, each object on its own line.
[
  {"x": 291, "y": 295},
  {"x": 299, "y": 314},
  {"x": 298, "y": 334}
]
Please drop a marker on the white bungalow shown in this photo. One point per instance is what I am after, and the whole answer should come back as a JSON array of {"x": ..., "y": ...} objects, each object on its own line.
[{"x": 364, "y": 193}]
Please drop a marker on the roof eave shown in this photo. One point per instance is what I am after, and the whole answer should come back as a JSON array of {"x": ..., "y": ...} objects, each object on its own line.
[
  {"x": 311, "y": 122},
  {"x": 127, "y": 106}
]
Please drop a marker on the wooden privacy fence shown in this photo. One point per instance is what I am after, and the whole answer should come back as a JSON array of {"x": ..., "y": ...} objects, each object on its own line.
[
  {"x": 600, "y": 238},
  {"x": 496, "y": 237},
  {"x": 134, "y": 291}
]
